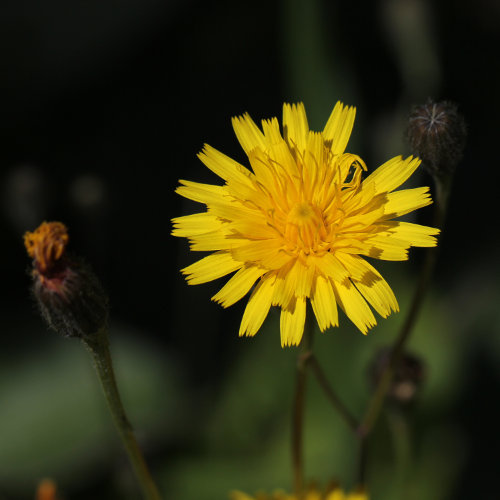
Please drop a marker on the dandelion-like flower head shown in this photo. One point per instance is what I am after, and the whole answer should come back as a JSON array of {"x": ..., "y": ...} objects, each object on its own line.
[
  {"x": 299, "y": 224},
  {"x": 312, "y": 493}
]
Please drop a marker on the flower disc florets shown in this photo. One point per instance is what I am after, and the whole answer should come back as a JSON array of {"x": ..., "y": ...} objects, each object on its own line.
[{"x": 299, "y": 223}]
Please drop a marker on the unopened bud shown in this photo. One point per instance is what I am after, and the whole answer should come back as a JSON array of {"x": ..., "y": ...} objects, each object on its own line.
[
  {"x": 408, "y": 375},
  {"x": 437, "y": 133},
  {"x": 68, "y": 293}
]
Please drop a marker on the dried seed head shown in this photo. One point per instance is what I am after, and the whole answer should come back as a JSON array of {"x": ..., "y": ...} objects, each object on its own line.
[
  {"x": 68, "y": 293},
  {"x": 437, "y": 133}
]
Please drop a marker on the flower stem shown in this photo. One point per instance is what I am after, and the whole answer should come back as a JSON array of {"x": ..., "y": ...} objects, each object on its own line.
[
  {"x": 401, "y": 437},
  {"x": 298, "y": 407},
  {"x": 98, "y": 346},
  {"x": 443, "y": 187},
  {"x": 337, "y": 403}
]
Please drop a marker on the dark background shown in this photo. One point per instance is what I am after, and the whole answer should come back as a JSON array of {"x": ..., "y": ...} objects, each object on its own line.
[{"x": 104, "y": 106}]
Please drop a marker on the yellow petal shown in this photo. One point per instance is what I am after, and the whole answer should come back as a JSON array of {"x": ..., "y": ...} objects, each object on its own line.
[
  {"x": 360, "y": 221},
  {"x": 392, "y": 173},
  {"x": 414, "y": 235},
  {"x": 324, "y": 304},
  {"x": 354, "y": 305},
  {"x": 405, "y": 201},
  {"x": 257, "y": 251},
  {"x": 295, "y": 127},
  {"x": 313, "y": 159},
  {"x": 264, "y": 169},
  {"x": 238, "y": 286},
  {"x": 248, "y": 134},
  {"x": 385, "y": 248},
  {"x": 210, "y": 268},
  {"x": 231, "y": 210},
  {"x": 292, "y": 321},
  {"x": 252, "y": 229},
  {"x": 190, "y": 225},
  {"x": 371, "y": 284},
  {"x": 362, "y": 197},
  {"x": 353, "y": 264},
  {"x": 285, "y": 164},
  {"x": 276, "y": 260},
  {"x": 271, "y": 131},
  {"x": 202, "y": 193},
  {"x": 215, "y": 240},
  {"x": 286, "y": 281},
  {"x": 330, "y": 266},
  {"x": 294, "y": 279},
  {"x": 305, "y": 275},
  {"x": 224, "y": 166},
  {"x": 257, "y": 307},
  {"x": 352, "y": 243},
  {"x": 338, "y": 128},
  {"x": 393, "y": 242}
]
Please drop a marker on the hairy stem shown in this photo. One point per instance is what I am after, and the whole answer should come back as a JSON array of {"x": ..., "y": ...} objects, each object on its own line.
[{"x": 98, "y": 347}]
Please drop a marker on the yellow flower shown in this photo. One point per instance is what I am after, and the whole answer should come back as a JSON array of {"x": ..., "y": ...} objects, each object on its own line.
[
  {"x": 310, "y": 494},
  {"x": 299, "y": 224}
]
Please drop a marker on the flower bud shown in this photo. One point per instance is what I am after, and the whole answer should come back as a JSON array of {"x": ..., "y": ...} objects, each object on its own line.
[
  {"x": 68, "y": 293},
  {"x": 408, "y": 376},
  {"x": 437, "y": 133}
]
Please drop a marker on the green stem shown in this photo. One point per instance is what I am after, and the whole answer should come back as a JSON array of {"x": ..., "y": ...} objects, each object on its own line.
[
  {"x": 401, "y": 437},
  {"x": 298, "y": 407},
  {"x": 443, "y": 187},
  {"x": 337, "y": 403},
  {"x": 98, "y": 347},
  {"x": 362, "y": 453}
]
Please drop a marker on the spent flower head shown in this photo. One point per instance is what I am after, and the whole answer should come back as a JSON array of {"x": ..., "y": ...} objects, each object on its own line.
[
  {"x": 299, "y": 224},
  {"x": 437, "y": 133}
]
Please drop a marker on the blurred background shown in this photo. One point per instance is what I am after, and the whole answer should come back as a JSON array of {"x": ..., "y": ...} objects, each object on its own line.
[{"x": 104, "y": 106}]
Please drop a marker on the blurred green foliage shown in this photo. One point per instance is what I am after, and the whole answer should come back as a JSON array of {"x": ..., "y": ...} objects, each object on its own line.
[
  {"x": 54, "y": 418},
  {"x": 247, "y": 437}
]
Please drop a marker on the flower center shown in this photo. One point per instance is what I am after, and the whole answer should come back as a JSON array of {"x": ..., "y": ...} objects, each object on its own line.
[{"x": 305, "y": 228}]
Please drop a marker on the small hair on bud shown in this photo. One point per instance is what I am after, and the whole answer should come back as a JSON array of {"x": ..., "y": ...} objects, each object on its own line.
[
  {"x": 69, "y": 295},
  {"x": 437, "y": 134}
]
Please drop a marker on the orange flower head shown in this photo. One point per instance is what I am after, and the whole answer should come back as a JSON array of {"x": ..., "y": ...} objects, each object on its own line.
[
  {"x": 69, "y": 295},
  {"x": 46, "y": 245}
]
